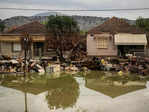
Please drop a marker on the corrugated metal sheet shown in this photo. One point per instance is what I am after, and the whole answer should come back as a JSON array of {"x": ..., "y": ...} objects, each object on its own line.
[{"x": 130, "y": 39}]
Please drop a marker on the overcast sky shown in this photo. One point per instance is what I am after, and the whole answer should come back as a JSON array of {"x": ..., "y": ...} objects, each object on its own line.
[{"x": 76, "y": 4}]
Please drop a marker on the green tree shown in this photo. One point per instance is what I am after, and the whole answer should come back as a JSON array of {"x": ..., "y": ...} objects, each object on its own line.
[
  {"x": 143, "y": 23},
  {"x": 63, "y": 30},
  {"x": 2, "y": 26}
]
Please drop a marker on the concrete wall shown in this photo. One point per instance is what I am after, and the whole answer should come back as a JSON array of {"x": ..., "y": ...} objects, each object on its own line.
[{"x": 92, "y": 50}]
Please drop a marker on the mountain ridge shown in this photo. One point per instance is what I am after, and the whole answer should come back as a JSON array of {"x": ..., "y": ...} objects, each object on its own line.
[{"x": 84, "y": 22}]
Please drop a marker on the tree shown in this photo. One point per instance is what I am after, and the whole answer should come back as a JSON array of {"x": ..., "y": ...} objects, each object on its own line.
[
  {"x": 64, "y": 32},
  {"x": 2, "y": 26},
  {"x": 143, "y": 23}
]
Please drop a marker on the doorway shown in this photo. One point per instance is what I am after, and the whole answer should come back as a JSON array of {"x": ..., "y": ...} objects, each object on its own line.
[
  {"x": 38, "y": 49},
  {"x": 130, "y": 49}
]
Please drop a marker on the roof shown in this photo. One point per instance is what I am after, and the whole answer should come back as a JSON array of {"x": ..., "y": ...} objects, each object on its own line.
[
  {"x": 116, "y": 25},
  {"x": 130, "y": 39},
  {"x": 32, "y": 28}
]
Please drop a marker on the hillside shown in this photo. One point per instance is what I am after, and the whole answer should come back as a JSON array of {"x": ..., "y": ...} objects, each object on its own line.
[{"x": 85, "y": 22}]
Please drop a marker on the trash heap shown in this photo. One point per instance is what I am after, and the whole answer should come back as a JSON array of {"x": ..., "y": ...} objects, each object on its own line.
[
  {"x": 131, "y": 64},
  {"x": 137, "y": 65}
]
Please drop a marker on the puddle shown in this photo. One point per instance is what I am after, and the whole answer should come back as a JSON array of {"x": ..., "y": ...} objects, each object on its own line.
[{"x": 96, "y": 92}]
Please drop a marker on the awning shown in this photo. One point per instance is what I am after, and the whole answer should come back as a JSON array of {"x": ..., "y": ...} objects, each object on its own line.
[
  {"x": 101, "y": 36},
  {"x": 130, "y": 39},
  {"x": 16, "y": 38}
]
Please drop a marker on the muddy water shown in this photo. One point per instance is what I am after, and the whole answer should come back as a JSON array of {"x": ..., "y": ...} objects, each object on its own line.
[{"x": 94, "y": 92}]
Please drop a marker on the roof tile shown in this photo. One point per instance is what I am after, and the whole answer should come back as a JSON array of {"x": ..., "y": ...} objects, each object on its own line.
[
  {"x": 32, "y": 28},
  {"x": 116, "y": 25}
]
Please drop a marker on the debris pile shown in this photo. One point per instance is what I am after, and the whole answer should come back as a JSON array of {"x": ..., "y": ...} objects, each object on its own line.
[{"x": 137, "y": 65}]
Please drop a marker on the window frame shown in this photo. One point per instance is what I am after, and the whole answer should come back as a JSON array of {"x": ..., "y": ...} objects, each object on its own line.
[
  {"x": 13, "y": 47},
  {"x": 102, "y": 43}
]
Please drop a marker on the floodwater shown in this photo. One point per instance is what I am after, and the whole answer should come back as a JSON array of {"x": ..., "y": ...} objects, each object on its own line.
[{"x": 82, "y": 92}]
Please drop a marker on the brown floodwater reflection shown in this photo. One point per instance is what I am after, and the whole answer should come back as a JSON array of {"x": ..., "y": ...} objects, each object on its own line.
[
  {"x": 94, "y": 92},
  {"x": 62, "y": 92}
]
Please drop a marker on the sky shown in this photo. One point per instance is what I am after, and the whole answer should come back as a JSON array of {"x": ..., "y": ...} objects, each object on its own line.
[{"x": 76, "y": 5}]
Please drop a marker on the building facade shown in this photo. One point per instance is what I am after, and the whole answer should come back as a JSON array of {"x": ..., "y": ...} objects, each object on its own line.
[
  {"x": 10, "y": 41},
  {"x": 116, "y": 37},
  {"x": 101, "y": 45}
]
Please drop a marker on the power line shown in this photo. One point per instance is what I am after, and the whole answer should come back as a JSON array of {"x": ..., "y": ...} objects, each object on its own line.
[{"x": 77, "y": 10}]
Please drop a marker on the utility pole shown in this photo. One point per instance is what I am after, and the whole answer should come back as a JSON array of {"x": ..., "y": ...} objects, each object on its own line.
[
  {"x": 26, "y": 41},
  {"x": 25, "y": 54},
  {"x": 25, "y": 96}
]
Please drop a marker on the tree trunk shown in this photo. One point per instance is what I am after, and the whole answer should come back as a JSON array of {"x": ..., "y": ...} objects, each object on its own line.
[{"x": 60, "y": 55}]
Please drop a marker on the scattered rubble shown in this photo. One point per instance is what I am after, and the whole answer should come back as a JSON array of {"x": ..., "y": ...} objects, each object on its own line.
[{"x": 136, "y": 65}]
